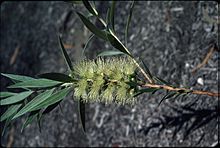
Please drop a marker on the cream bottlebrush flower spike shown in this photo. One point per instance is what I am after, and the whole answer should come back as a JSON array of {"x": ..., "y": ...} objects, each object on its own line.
[{"x": 105, "y": 80}]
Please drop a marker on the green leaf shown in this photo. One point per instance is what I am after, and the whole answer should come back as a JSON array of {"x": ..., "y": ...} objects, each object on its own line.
[
  {"x": 185, "y": 95},
  {"x": 147, "y": 70},
  {"x": 115, "y": 42},
  {"x": 148, "y": 90},
  {"x": 17, "y": 77},
  {"x": 155, "y": 91},
  {"x": 92, "y": 27},
  {"x": 162, "y": 81},
  {"x": 39, "y": 116},
  {"x": 65, "y": 55},
  {"x": 37, "y": 83},
  {"x": 167, "y": 96},
  {"x": 87, "y": 42},
  {"x": 145, "y": 90},
  {"x": 181, "y": 91},
  {"x": 6, "y": 94},
  {"x": 132, "y": 84},
  {"x": 112, "y": 19},
  {"x": 185, "y": 91},
  {"x": 57, "y": 77},
  {"x": 56, "y": 97},
  {"x": 10, "y": 111},
  {"x": 13, "y": 99},
  {"x": 51, "y": 107},
  {"x": 8, "y": 121},
  {"x": 110, "y": 53},
  {"x": 29, "y": 120},
  {"x": 34, "y": 102},
  {"x": 177, "y": 95},
  {"x": 90, "y": 7},
  {"x": 128, "y": 22},
  {"x": 108, "y": 18},
  {"x": 81, "y": 108}
]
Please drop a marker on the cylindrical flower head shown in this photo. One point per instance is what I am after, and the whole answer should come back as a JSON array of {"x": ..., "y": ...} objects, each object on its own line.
[{"x": 104, "y": 80}]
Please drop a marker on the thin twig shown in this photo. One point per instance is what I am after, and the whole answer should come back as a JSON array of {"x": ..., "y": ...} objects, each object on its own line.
[
  {"x": 205, "y": 61},
  {"x": 14, "y": 56},
  {"x": 198, "y": 92},
  {"x": 11, "y": 137},
  {"x": 142, "y": 71}
]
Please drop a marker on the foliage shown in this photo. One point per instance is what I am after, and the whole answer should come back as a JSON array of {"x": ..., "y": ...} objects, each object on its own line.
[{"x": 115, "y": 79}]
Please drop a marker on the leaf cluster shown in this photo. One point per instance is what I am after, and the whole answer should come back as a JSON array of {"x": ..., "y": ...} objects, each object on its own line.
[{"x": 37, "y": 97}]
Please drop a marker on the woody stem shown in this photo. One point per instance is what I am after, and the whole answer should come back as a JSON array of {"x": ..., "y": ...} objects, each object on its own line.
[{"x": 198, "y": 92}]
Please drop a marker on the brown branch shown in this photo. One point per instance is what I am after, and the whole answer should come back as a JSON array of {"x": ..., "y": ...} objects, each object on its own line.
[
  {"x": 205, "y": 61},
  {"x": 11, "y": 137},
  {"x": 68, "y": 46},
  {"x": 14, "y": 56},
  {"x": 198, "y": 92}
]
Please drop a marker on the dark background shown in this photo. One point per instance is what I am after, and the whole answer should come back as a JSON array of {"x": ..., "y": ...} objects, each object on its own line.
[{"x": 171, "y": 37}]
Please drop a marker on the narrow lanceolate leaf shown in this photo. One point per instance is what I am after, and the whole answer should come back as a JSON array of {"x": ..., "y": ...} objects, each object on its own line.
[
  {"x": 110, "y": 53},
  {"x": 17, "y": 77},
  {"x": 162, "y": 81},
  {"x": 10, "y": 111},
  {"x": 56, "y": 77},
  {"x": 108, "y": 19},
  {"x": 29, "y": 120},
  {"x": 13, "y": 99},
  {"x": 110, "y": 16},
  {"x": 90, "y": 7},
  {"x": 128, "y": 22},
  {"x": 37, "y": 83},
  {"x": 81, "y": 108},
  {"x": 65, "y": 55},
  {"x": 115, "y": 42},
  {"x": 146, "y": 90},
  {"x": 112, "y": 12},
  {"x": 100, "y": 33},
  {"x": 6, "y": 94},
  {"x": 86, "y": 44},
  {"x": 34, "y": 102},
  {"x": 147, "y": 70},
  {"x": 51, "y": 107},
  {"x": 167, "y": 96},
  {"x": 155, "y": 91},
  {"x": 39, "y": 116},
  {"x": 132, "y": 84},
  {"x": 56, "y": 97},
  {"x": 177, "y": 95},
  {"x": 8, "y": 121}
]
